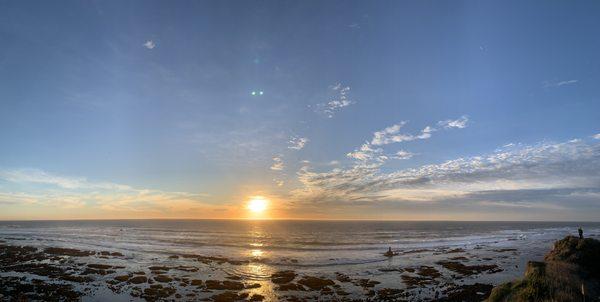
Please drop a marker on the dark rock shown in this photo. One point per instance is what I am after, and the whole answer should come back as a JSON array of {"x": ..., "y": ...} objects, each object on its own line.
[
  {"x": 77, "y": 279},
  {"x": 67, "y": 252},
  {"x": 283, "y": 277},
  {"x": 187, "y": 268},
  {"x": 342, "y": 277},
  {"x": 257, "y": 297},
  {"x": 391, "y": 269},
  {"x": 415, "y": 281},
  {"x": 428, "y": 271},
  {"x": 468, "y": 270},
  {"x": 138, "y": 280},
  {"x": 253, "y": 285},
  {"x": 157, "y": 292},
  {"x": 122, "y": 278},
  {"x": 468, "y": 293},
  {"x": 18, "y": 289},
  {"x": 391, "y": 294},
  {"x": 223, "y": 285},
  {"x": 159, "y": 268},
  {"x": 99, "y": 266},
  {"x": 228, "y": 297},
  {"x": 163, "y": 278},
  {"x": 315, "y": 283},
  {"x": 290, "y": 286},
  {"x": 416, "y": 251},
  {"x": 366, "y": 283},
  {"x": 197, "y": 282}
]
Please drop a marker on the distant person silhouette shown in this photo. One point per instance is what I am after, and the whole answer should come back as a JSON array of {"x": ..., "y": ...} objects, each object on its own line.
[
  {"x": 389, "y": 253},
  {"x": 580, "y": 233}
]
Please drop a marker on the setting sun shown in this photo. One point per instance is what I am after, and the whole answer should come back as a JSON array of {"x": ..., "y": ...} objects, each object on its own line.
[{"x": 257, "y": 204}]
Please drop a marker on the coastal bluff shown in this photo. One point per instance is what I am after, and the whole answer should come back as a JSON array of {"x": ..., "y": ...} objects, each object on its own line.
[{"x": 569, "y": 272}]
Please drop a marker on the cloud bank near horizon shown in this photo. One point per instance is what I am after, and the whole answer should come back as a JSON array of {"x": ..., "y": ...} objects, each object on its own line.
[
  {"x": 545, "y": 177},
  {"x": 41, "y": 190}
]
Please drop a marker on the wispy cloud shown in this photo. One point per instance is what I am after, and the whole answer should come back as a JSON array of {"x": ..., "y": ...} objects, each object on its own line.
[
  {"x": 372, "y": 153},
  {"x": 367, "y": 152},
  {"x": 277, "y": 163},
  {"x": 297, "y": 143},
  {"x": 596, "y": 136},
  {"x": 149, "y": 44},
  {"x": 558, "y": 83},
  {"x": 459, "y": 123},
  {"x": 403, "y": 155},
  {"x": 16, "y": 198},
  {"x": 38, "y": 187},
  {"x": 340, "y": 99},
  {"x": 42, "y": 177},
  {"x": 561, "y": 83},
  {"x": 391, "y": 135}
]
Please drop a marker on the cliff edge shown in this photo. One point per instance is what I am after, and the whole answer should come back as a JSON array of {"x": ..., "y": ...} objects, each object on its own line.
[{"x": 570, "y": 272}]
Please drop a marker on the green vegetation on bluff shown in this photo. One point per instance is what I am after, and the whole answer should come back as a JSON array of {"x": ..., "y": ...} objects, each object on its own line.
[{"x": 570, "y": 272}]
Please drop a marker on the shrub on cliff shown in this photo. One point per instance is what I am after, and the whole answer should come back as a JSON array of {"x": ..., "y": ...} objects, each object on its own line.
[
  {"x": 582, "y": 252},
  {"x": 569, "y": 272}
]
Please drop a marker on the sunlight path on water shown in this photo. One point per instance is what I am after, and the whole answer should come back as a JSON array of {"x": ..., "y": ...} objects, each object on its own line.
[{"x": 258, "y": 270}]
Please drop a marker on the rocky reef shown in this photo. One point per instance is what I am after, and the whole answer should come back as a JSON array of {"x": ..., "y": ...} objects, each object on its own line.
[{"x": 570, "y": 272}]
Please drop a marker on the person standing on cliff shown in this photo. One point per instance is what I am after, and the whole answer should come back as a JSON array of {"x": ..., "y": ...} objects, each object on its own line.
[{"x": 580, "y": 233}]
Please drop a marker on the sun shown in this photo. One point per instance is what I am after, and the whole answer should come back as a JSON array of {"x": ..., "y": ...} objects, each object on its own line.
[{"x": 257, "y": 204}]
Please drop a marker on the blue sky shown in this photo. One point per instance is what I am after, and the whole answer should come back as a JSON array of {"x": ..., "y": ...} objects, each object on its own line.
[{"x": 145, "y": 109}]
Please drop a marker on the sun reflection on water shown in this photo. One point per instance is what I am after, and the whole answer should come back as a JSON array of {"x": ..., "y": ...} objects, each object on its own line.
[
  {"x": 258, "y": 269},
  {"x": 263, "y": 272},
  {"x": 256, "y": 253}
]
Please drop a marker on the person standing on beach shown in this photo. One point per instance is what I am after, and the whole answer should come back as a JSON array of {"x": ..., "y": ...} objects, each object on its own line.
[{"x": 580, "y": 233}]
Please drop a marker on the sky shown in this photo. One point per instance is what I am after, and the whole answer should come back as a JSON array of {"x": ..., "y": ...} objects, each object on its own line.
[{"x": 408, "y": 110}]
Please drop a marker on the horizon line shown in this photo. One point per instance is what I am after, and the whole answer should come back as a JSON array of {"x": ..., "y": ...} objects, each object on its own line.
[{"x": 289, "y": 219}]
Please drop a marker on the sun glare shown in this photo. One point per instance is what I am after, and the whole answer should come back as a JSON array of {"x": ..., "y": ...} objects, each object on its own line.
[{"x": 257, "y": 204}]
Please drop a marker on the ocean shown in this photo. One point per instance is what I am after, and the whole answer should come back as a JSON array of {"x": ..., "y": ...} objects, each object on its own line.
[{"x": 313, "y": 248}]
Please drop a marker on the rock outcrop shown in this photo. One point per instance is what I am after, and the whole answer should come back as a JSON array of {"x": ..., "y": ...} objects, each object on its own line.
[{"x": 570, "y": 272}]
